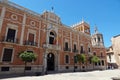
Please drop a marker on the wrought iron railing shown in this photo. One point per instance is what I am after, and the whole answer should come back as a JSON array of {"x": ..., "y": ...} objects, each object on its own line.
[
  {"x": 31, "y": 43},
  {"x": 67, "y": 49},
  {"x": 9, "y": 39},
  {"x": 75, "y": 50},
  {"x": 51, "y": 46},
  {"x": 101, "y": 56}
]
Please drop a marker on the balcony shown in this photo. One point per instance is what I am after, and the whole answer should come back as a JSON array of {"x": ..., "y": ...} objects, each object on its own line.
[
  {"x": 67, "y": 49},
  {"x": 10, "y": 40},
  {"x": 75, "y": 50},
  {"x": 51, "y": 46},
  {"x": 31, "y": 43},
  {"x": 82, "y": 52},
  {"x": 101, "y": 57}
]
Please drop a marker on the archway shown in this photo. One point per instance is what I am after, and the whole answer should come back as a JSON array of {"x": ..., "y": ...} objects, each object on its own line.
[{"x": 50, "y": 62}]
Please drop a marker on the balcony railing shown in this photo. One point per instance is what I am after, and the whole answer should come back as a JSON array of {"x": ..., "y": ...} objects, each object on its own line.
[
  {"x": 10, "y": 40},
  {"x": 51, "y": 46},
  {"x": 75, "y": 50},
  {"x": 67, "y": 49},
  {"x": 31, "y": 43},
  {"x": 82, "y": 52},
  {"x": 101, "y": 57}
]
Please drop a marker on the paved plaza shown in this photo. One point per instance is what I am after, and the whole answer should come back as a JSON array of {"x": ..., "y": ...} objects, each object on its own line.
[{"x": 92, "y": 75}]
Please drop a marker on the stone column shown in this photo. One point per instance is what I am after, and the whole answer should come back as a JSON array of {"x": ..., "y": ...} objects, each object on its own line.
[
  {"x": 39, "y": 34},
  {"x": 78, "y": 45},
  {"x": 23, "y": 29},
  {"x": 62, "y": 48},
  {"x": 56, "y": 60},
  {"x": 2, "y": 17},
  {"x": 47, "y": 34},
  {"x": 57, "y": 36},
  {"x": 45, "y": 62},
  {"x": 45, "y": 54},
  {"x": 71, "y": 41}
]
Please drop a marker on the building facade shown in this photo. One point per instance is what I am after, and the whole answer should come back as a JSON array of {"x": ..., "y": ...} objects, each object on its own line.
[
  {"x": 116, "y": 48},
  {"x": 111, "y": 58},
  {"x": 44, "y": 34}
]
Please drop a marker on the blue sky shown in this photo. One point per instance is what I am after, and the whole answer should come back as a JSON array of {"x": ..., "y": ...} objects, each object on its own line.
[{"x": 105, "y": 14}]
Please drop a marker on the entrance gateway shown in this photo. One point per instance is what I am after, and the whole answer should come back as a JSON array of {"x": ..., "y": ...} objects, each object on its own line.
[{"x": 50, "y": 62}]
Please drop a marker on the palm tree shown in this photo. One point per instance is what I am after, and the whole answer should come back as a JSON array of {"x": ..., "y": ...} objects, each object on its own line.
[
  {"x": 94, "y": 60},
  {"x": 81, "y": 58},
  {"x": 27, "y": 57}
]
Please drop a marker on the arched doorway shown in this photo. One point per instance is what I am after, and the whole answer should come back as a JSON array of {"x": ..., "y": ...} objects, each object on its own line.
[{"x": 50, "y": 62}]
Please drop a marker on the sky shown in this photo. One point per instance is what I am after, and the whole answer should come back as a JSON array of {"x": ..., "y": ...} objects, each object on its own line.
[{"x": 105, "y": 14}]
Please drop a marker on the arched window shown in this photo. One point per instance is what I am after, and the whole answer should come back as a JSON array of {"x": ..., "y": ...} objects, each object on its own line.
[
  {"x": 89, "y": 49},
  {"x": 66, "y": 59},
  {"x": 94, "y": 53},
  {"x": 74, "y": 46},
  {"x": 75, "y": 59},
  {"x": 101, "y": 54},
  {"x": 66, "y": 45},
  {"x": 98, "y": 39},
  {"x": 81, "y": 50},
  {"x": 102, "y": 62},
  {"x": 95, "y": 39},
  {"x": 51, "y": 33},
  {"x": 99, "y": 63},
  {"x": 95, "y": 63},
  {"x": 52, "y": 38}
]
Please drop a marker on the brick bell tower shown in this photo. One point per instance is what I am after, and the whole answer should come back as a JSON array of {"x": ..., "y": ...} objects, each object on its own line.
[{"x": 97, "y": 39}]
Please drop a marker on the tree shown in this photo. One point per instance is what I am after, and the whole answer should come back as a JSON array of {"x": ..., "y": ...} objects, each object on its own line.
[
  {"x": 27, "y": 57},
  {"x": 94, "y": 60},
  {"x": 81, "y": 58}
]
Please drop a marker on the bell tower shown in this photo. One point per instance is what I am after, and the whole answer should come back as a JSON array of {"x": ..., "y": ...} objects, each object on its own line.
[
  {"x": 97, "y": 39},
  {"x": 83, "y": 27}
]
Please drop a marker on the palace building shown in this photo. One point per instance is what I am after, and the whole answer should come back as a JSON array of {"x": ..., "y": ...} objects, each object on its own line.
[{"x": 54, "y": 43}]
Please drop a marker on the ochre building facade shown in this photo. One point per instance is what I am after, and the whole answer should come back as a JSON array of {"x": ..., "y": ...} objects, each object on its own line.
[
  {"x": 54, "y": 43},
  {"x": 116, "y": 48}
]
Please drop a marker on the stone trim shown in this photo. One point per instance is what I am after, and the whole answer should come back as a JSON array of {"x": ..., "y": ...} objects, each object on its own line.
[
  {"x": 33, "y": 32},
  {"x": 2, "y": 16},
  {"x": 7, "y": 63},
  {"x": 23, "y": 29},
  {"x": 12, "y": 26}
]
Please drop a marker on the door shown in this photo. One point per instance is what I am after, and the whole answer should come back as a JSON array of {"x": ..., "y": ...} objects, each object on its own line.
[{"x": 50, "y": 62}]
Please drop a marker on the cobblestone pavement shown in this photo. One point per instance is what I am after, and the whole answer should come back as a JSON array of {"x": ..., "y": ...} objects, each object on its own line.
[{"x": 92, "y": 75}]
